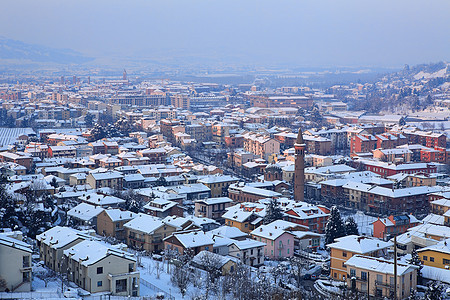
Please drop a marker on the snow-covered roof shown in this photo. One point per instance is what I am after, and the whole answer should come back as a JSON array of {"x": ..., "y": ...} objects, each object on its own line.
[
  {"x": 90, "y": 252},
  {"x": 144, "y": 223},
  {"x": 58, "y": 237},
  {"x": 194, "y": 239},
  {"x": 359, "y": 244},
  {"x": 379, "y": 265},
  {"x": 229, "y": 232},
  {"x": 248, "y": 244},
  {"x": 120, "y": 215},
  {"x": 85, "y": 211}
]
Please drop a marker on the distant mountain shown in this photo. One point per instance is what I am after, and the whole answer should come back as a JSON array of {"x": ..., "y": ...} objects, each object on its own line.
[{"x": 17, "y": 50}]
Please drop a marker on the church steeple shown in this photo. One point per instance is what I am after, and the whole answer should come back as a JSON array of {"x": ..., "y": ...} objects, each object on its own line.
[{"x": 299, "y": 175}]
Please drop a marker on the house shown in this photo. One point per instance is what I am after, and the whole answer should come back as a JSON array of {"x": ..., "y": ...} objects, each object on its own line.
[
  {"x": 212, "y": 208},
  {"x": 345, "y": 247},
  {"x": 96, "y": 268},
  {"x": 85, "y": 214},
  {"x": 101, "y": 200},
  {"x": 190, "y": 243},
  {"x": 376, "y": 276},
  {"x": 249, "y": 252},
  {"x": 247, "y": 193},
  {"x": 133, "y": 181},
  {"x": 206, "y": 260},
  {"x": 229, "y": 232},
  {"x": 147, "y": 232},
  {"x": 15, "y": 264},
  {"x": 54, "y": 241},
  {"x": 245, "y": 221},
  {"x": 279, "y": 241},
  {"x": 314, "y": 217},
  {"x": 386, "y": 228},
  {"x": 437, "y": 256},
  {"x": 161, "y": 208},
  {"x": 111, "y": 179},
  {"x": 218, "y": 184},
  {"x": 110, "y": 222}
]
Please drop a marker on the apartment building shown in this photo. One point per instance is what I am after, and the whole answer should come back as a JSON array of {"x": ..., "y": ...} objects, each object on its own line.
[
  {"x": 15, "y": 263},
  {"x": 111, "y": 179},
  {"x": 96, "y": 268},
  {"x": 260, "y": 145},
  {"x": 375, "y": 277},
  {"x": 346, "y": 247}
]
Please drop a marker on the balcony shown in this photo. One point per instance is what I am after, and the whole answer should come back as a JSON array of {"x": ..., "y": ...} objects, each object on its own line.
[
  {"x": 136, "y": 239},
  {"x": 384, "y": 284}
]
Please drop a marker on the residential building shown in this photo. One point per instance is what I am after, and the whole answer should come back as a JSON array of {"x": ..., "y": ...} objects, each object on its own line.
[
  {"x": 437, "y": 256},
  {"x": 190, "y": 243},
  {"x": 249, "y": 252},
  {"x": 15, "y": 263},
  {"x": 212, "y": 208},
  {"x": 375, "y": 276},
  {"x": 110, "y": 223},
  {"x": 387, "y": 228},
  {"x": 345, "y": 247},
  {"x": 147, "y": 233},
  {"x": 97, "y": 268}
]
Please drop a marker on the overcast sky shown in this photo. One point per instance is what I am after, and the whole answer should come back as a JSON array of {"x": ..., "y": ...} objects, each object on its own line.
[{"x": 296, "y": 32}]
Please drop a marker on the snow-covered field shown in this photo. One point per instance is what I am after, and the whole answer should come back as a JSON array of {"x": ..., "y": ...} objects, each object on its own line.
[
  {"x": 364, "y": 222},
  {"x": 9, "y": 135}
]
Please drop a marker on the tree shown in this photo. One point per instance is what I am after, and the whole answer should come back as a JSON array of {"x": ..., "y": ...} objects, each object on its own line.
[
  {"x": 181, "y": 277},
  {"x": 54, "y": 183},
  {"x": 161, "y": 181},
  {"x": 335, "y": 226},
  {"x": 434, "y": 291},
  {"x": 88, "y": 119},
  {"x": 351, "y": 227},
  {"x": 98, "y": 132},
  {"x": 273, "y": 213},
  {"x": 415, "y": 260}
]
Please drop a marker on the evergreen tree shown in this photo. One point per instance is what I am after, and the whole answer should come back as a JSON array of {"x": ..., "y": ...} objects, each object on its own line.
[
  {"x": 273, "y": 212},
  {"x": 88, "y": 119},
  {"x": 98, "y": 132},
  {"x": 351, "y": 227},
  {"x": 161, "y": 181},
  {"x": 335, "y": 227},
  {"x": 415, "y": 260},
  {"x": 8, "y": 215},
  {"x": 434, "y": 291}
]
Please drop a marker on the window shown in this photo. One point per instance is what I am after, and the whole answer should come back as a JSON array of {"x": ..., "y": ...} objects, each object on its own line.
[
  {"x": 344, "y": 254},
  {"x": 99, "y": 283},
  {"x": 379, "y": 278},
  {"x": 446, "y": 261},
  {"x": 130, "y": 267},
  {"x": 26, "y": 261},
  {"x": 288, "y": 251},
  {"x": 425, "y": 257},
  {"x": 432, "y": 259},
  {"x": 364, "y": 276},
  {"x": 352, "y": 272},
  {"x": 100, "y": 270},
  {"x": 272, "y": 243},
  {"x": 121, "y": 285}
]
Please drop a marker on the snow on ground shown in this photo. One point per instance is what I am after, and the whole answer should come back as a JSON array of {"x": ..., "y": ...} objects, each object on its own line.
[
  {"x": 364, "y": 222},
  {"x": 148, "y": 273}
]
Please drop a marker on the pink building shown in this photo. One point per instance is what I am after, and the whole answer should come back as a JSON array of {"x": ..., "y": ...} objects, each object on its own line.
[{"x": 279, "y": 242}]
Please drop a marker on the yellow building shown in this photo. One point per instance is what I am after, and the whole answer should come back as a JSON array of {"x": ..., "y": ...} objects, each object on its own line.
[
  {"x": 245, "y": 221},
  {"x": 345, "y": 247},
  {"x": 437, "y": 256},
  {"x": 376, "y": 277}
]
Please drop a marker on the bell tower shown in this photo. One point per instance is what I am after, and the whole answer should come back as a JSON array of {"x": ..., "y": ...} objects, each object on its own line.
[{"x": 299, "y": 175}]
